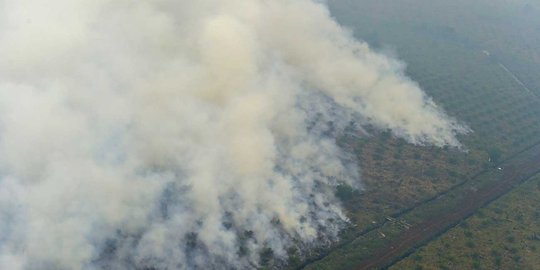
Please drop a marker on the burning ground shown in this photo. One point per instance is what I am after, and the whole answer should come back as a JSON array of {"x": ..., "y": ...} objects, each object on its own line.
[{"x": 185, "y": 135}]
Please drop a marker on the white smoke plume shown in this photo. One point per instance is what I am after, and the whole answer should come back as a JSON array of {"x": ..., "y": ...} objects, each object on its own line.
[{"x": 184, "y": 134}]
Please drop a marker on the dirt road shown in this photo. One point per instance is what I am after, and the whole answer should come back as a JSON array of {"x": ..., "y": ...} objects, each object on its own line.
[{"x": 422, "y": 232}]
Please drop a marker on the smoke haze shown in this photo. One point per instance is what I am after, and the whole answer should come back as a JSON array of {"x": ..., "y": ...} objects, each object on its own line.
[{"x": 184, "y": 134}]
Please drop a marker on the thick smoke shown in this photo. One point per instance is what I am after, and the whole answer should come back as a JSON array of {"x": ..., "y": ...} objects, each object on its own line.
[{"x": 184, "y": 134}]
